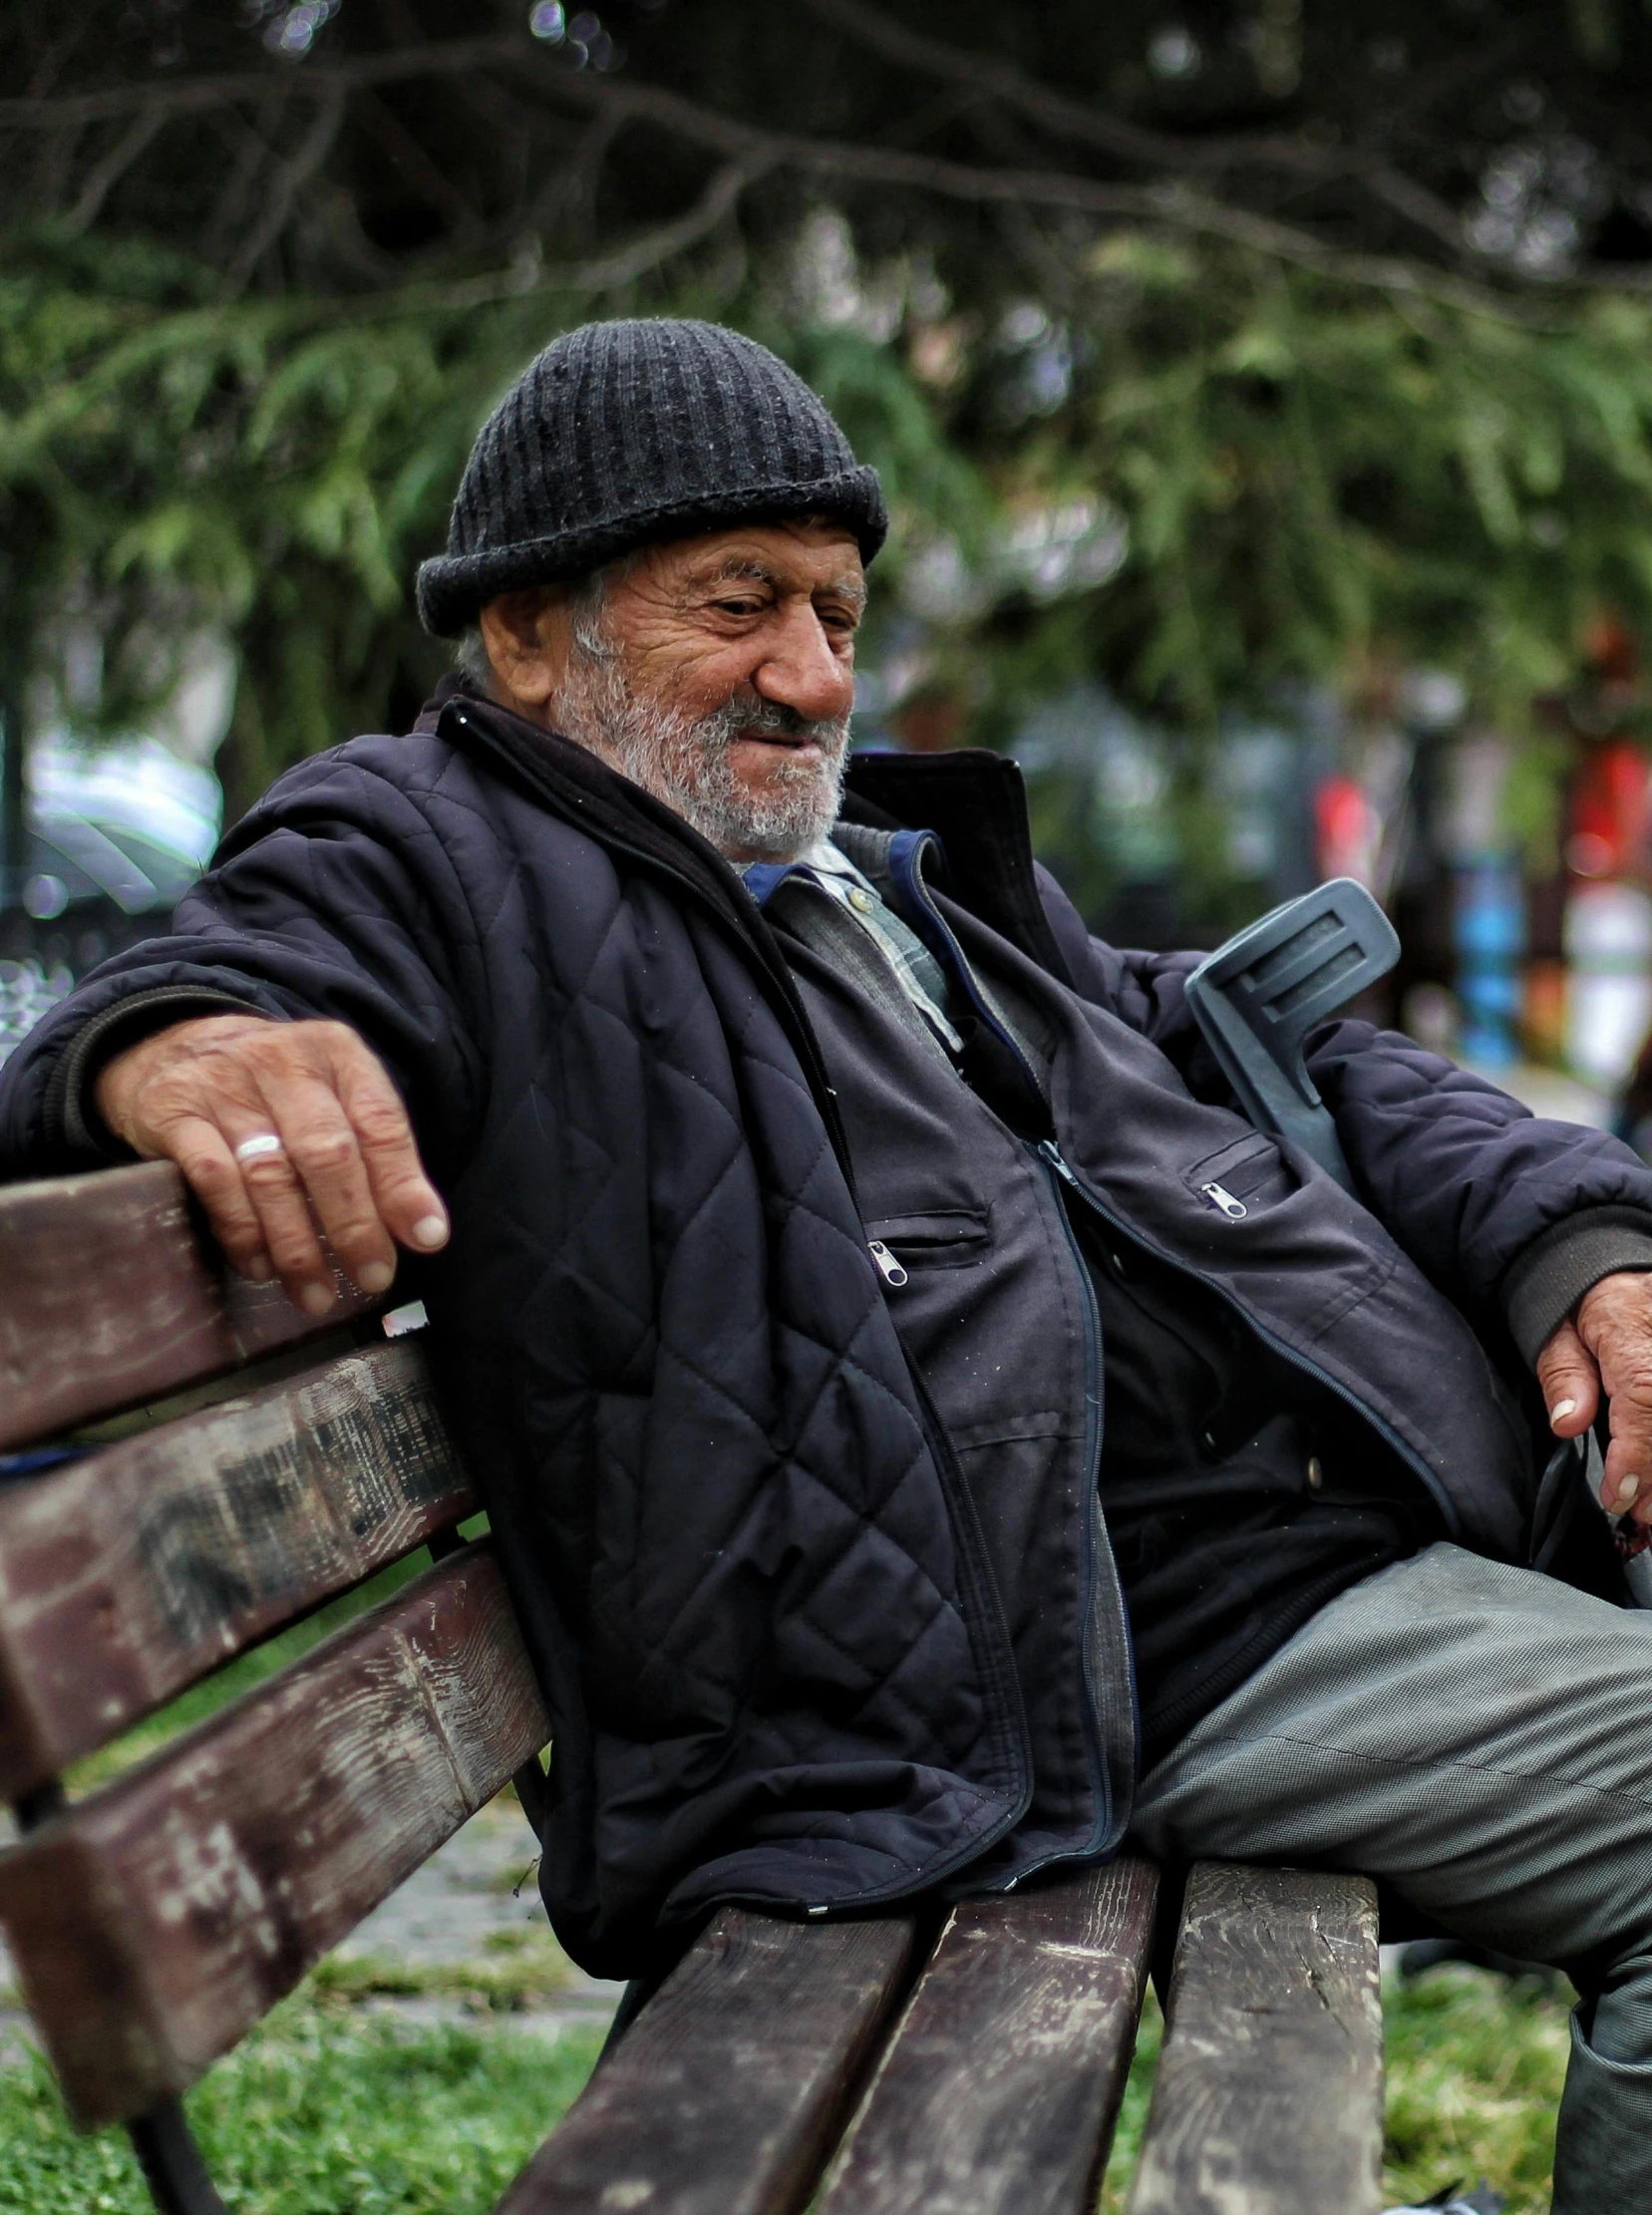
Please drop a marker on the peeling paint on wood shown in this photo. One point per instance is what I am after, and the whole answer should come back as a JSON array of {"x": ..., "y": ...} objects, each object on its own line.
[
  {"x": 999, "y": 2091},
  {"x": 111, "y": 1298},
  {"x": 126, "y": 1576},
  {"x": 1269, "y": 2093},
  {"x": 156, "y": 1921},
  {"x": 724, "y": 2094}
]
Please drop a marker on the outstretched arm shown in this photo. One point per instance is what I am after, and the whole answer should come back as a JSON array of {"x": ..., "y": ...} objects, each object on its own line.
[{"x": 324, "y": 995}]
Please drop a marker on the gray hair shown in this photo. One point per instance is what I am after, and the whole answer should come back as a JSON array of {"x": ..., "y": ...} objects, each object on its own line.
[
  {"x": 587, "y": 605},
  {"x": 471, "y": 659}
]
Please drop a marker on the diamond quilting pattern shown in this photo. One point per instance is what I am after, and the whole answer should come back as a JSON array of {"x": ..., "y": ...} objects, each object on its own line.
[{"x": 663, "y": 1345}]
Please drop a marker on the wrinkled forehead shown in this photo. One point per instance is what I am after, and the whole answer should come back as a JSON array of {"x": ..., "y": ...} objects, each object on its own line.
[{"x": 813, "y": 555}]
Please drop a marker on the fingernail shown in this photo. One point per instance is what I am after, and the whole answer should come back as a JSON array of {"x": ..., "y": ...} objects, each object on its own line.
[
  {"x": 430, "y": 1230},
  {"x": 1627, "y": 1489},
  {"x": 375, "y": 1276},
  {"x": 316, "y": 1299},
  {"x": 1562, "y": 1409},
  {"x": 258, "y": 1270}
]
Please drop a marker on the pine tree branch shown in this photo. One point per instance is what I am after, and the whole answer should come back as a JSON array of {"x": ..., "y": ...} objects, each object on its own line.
[
  {"x": 1159, "y": 150},
  {"x": 291, "y": 178},
  {"x": 103, "y": 175},
  {"x": 406, "y": 155},
  {"x": 1171, "y": 204},
  {"x": 1167, "y": 199},
  {"x": 251, "y": 146},
  {"x": 195, "y": 94},
  {"x": 603, "y": 274}
]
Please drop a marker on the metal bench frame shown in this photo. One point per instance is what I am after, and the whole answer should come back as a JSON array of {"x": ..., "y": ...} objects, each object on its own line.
[{"x": 858, "y": 2066}]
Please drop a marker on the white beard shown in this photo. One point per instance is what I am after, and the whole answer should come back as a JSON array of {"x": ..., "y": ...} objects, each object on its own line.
[{"x": 684, "y": 761}]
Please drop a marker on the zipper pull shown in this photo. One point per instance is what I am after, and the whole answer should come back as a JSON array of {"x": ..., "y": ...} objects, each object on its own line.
[
  {"x": 1223, "y": 1201},
  {"x": 1049, "y": 1151},
  {"x": 887, "y": 1267}
]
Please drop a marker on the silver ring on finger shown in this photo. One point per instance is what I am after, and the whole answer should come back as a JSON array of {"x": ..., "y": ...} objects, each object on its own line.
[{"x": 255, "y": 1148}]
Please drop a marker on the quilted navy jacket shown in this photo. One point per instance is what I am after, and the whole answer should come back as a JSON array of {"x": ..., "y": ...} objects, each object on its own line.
[{"x": 749, "y": 1575}]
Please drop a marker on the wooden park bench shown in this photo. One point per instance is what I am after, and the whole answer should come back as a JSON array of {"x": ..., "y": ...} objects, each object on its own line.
[{"x": 857, "y": 2067}]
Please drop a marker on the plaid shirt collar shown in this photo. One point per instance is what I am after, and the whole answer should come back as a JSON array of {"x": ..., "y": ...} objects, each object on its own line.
[{"x": 918, "y": 971}]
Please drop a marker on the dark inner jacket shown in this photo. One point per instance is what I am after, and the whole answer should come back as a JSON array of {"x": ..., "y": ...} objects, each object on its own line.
[{"x": 777, "y": 1648}]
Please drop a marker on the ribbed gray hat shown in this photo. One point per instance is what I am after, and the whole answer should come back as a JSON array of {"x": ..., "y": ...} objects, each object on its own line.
[{"x": 623, "y": 432}]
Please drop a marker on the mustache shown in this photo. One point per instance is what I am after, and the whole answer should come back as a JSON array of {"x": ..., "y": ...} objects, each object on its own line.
[{"x": 746, "y": 711}]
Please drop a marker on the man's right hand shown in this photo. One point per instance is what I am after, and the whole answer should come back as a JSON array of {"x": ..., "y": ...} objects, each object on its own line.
[{"x": 346, "y": 1160}]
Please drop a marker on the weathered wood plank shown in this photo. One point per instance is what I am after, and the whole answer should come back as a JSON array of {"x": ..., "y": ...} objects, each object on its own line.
[
  {"x": 156, "y": 1921},
  {"x": 108, "y": 1296},
  {"x": 999, "y": 2090},
  {"x": 126, "y": 1576},
  {"x": 724, "y": 2094},
  {"x": 1269, "y": 2095}
]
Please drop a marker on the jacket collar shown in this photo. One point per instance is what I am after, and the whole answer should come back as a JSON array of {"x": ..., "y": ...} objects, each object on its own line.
[
  {"x": 974, "y": 800},
  {"x": 976, "y": 805}
]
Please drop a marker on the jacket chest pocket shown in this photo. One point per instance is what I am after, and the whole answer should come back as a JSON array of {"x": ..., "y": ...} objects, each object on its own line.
[
  {"x": 1243, "y": 1177},
  {"x": 935, "y": 1238}
]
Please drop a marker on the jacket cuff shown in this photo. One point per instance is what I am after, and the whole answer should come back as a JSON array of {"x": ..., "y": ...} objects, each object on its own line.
[
  {"x": 70, "y": 1112},
  {"x": 1542, "y": 1285}
]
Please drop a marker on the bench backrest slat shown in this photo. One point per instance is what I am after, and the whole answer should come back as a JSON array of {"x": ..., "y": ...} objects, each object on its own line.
[
  {"x": 724, "y": 2094},
  {"x": 156, "y": 1921},
  {"x": 1000, "y": 2088},
  {"x": 127, "y": 1575},
  {"x": 1275, "y": 1979},
  {"x": 110, "y": 1300}
]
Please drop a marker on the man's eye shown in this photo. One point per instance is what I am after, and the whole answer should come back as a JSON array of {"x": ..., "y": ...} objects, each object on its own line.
[{"x": 743, "y": 606}]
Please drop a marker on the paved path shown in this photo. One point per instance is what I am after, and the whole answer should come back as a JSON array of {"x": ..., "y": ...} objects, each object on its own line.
[{"x": 476, "y": 1904}]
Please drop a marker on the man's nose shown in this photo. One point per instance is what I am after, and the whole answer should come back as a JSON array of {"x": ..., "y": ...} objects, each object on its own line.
[{"x": 802, "y": 672}]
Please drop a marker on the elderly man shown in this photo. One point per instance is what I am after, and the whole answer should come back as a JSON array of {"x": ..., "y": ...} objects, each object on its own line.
[{"x": 931, "y": 1434}]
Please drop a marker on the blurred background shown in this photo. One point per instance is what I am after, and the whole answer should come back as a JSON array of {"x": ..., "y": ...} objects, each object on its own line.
[{"x": 1265, "y": 399}]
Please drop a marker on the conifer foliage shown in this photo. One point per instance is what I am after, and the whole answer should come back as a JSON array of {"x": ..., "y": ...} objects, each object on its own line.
[{"x": 1202, "y": 346}]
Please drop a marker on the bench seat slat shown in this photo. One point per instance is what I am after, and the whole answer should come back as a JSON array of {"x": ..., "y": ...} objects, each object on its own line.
[
  {"x": 999, "y": 2090},
  {"x": 721, "y": 2098},
  {"x": 156, "y": 1921},
  {"x": 111, "y": 1300},
  {"x": 1269, "y": 2093},
  {"x": 126, "y": 1576}
]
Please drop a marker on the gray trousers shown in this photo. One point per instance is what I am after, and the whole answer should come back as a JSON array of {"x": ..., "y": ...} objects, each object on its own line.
[{"x": 1481, "y": 1737}]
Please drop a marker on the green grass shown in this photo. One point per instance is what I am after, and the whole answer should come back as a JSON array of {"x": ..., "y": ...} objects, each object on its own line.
[
  {"x": 1134, "y": 2114},
  {"x": 1475, "y": 2068},
  {"x": 318, "y": 2114},
  {"x": 325, "y": 2111}
]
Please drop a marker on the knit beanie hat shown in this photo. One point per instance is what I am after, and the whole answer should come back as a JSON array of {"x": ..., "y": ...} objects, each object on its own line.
[{"x": 620, "y": 433}]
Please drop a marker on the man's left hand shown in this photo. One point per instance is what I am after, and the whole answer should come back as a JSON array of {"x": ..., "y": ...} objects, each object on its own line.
[{"x": 1608, "y": 1347}]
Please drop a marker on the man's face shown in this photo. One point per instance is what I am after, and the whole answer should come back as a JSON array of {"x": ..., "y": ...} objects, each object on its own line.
[{"x": 718, "y": 674}]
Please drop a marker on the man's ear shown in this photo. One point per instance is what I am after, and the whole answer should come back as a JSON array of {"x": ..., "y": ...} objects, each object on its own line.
[{"x": 527, "y": 636}]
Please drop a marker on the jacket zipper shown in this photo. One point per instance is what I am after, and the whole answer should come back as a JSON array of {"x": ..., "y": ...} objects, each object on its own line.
[
  {"x": 889, "y": 1268},
  {"x": 1412, "y": 1460},
  {"x": 1222, "y": 1200},
  {"x": 912, "y": 883},
  {"x": 1089, "y": 1520}
]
